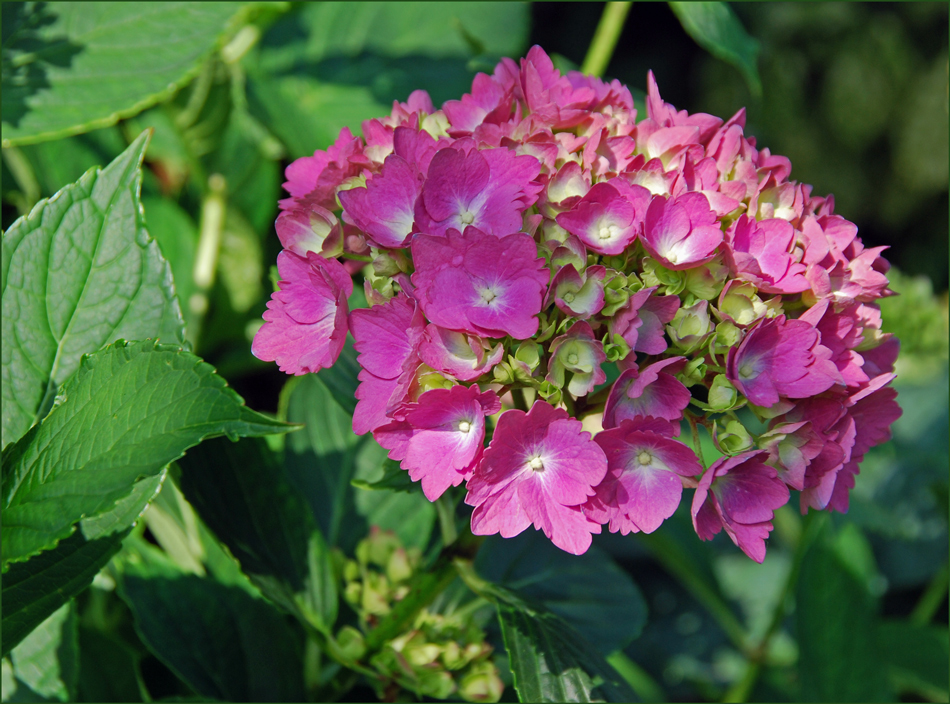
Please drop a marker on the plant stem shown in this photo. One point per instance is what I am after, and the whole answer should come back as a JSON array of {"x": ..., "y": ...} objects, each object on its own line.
[
  {"x": 697, "y": 445},
  {"x": 213, "y": 213},
  {"x": 357, "y": 257},
  {"x": 445, "y": 508},
  {"x": 932, "y": 598},
  {"x": 741, "y": 690},
  {"x": 605, "y": 38},
  {"x": 25, "y": 179}
]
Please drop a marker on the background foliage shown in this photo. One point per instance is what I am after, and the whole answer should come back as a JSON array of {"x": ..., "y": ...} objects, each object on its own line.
[{"x": 233, "y": 583}]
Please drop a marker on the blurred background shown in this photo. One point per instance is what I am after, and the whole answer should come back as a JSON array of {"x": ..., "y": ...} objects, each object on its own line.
[{"x": 855, "y": 94}]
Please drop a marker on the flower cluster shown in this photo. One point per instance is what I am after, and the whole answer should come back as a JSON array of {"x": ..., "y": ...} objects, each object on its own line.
[{"x": 532, "y": 236}]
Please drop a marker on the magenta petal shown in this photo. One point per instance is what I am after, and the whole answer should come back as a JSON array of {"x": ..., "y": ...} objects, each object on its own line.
[{"x": 653, "y": 496}]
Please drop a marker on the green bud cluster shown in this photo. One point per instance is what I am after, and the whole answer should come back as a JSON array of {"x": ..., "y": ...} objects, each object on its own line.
[{"x": 440, "y": 656}]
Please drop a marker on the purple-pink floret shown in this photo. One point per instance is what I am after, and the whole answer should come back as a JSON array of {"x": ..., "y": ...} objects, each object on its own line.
[{"x": 522, "y": 245}]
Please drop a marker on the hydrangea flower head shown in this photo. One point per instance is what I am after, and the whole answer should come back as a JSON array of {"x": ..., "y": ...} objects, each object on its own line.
[{"x": 538, "y": 245}]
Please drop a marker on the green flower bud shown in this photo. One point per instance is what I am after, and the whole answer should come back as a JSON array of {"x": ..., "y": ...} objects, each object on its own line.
[
  {"x": 693, "y": 372},
  {"x": 437, "y": 684},
  {"x": 436, "y": 124},
  {"x": 706, "y": 281},
  {"x": 690, "y": 327},
  {"x": 549, "y": 392},
  {"x": 503, "y": 373},
  {"x": 616, "y": 350},
  {"x": 722, "y": 394},
  {"x": 654, "y": 274},
  {"x": 398, "y": 568},
  {"x": 529, "y": 353},
  {"x": 733, "y": 439},
  {"x": 429, "y": 379},
  {"x": 739, "y": 303},
  {"x": 546, "y": 327},
  {"x": 351, "y": 642},
  {"x": 727, "y": 337},
  {"x": 616, "y": 293},
  {"x": 376, "y": 595},
  {"x": 417, "y": 650},
  {"x": 389, "y": 262},
  {"x": 353, "y": 592},
  {"x": 481, "y": 683},
  {"x": 351, "y": 571}
]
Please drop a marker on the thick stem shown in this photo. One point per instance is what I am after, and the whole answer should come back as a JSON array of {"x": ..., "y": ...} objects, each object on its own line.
[{"x": 605, "y": 38}]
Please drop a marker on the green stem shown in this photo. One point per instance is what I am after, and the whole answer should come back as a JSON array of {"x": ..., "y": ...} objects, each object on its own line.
[
  {"x": 357, "y": 257},
  {"x": 694, "y": 431},
  {"x": 25, "y": 179},
  {"x": 213, "y": 213},
  {"x": 605, "y": 38},
  {"x": 520, "y": 400},
  {"x": 741, "y": 690},
  {"x": 932, "y": 598},
  {"x": 445, "y": 508}
]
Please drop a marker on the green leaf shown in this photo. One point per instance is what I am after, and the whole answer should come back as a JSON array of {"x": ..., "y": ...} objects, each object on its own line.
[
  {"x": 129, "y": 411},
  {"x": 107, "y": 670},
  {"x": 589, "y": 591},
  {"x": 243, "y": 494},
  {"x": 69, "y": 67},
  {"x": 34, "y": 589},
  {"x": 79, "y": 271},
  {"x": 241, "y": 262},
  {"x": 394, "y": 478},
  {"x": 45, "y": 665},
  {"x": 342, "y": 379},
  {"x": 177, "y": 235},
  {"x": 917, "y": 657},
  {"x": 332, "y": 65},
  {"x": 715, "y": 27},
  {"x": 220, "y": 640},
  {"x": 839, "y": 656},
  {"x": 549, "y": 660}
]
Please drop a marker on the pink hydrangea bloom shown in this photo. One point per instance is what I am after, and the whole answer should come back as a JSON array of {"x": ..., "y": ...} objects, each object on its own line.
[
  {"x": 781, "y": 357},
  {"x": 305, "y": 321},
  {"x": 651, "y": 391},
  {"x": 439, "y": 441},
  {"x": 606, "y": 221},
  {"x": 579, "y": 353},
  {"x": 457, "y": 354},
  {"x": 739, "y": 494},
  {"x": 760, "y": 253},
  {"x": 681, "y": 233},
  {"x": 478, "y": 283},
  {"x": 578, "y": 295},
  {"x": 642, "y": 487},
  {"x": 387, "y": 338},
  {"x": 538, "y": 470},
  {"x": 642, "y": 319}
]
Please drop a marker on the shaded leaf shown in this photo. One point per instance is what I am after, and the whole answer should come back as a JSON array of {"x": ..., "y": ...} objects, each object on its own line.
[
  {"x": 393, "y": 478},
  {"x": 72, "y": 67},
  {"x": 243, "y": 494},
  {"x": 716, "y": 29},
  {"x": 107, "y": 669},
  {"x": 589, "y": 591},
  {"x": 79, "y": 271},
  {"x": 549, "y": 660},
  {"x": 220, "y": 640},
  {"x": 45, "y": 664},
  {"x": 34, "y": 589},
  {"x": 917, "y": 657},
  {"x": 839, "y": 656},
  {"x": 129, "y": 411}
]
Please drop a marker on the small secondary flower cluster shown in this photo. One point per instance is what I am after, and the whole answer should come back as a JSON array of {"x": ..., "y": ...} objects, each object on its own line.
[{"x": 532, "y": 233}]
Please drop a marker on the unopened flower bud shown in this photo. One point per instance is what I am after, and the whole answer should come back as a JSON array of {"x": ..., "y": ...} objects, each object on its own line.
[
  {"x": 616, "y": 350},
  {"x": 722, "y": 394},
  {"x": 733, "y": 439},
  {"x": 692, "y": 373},
  {"x": 706, "y": 281},
  {"x": 550, "y": 393},
  {"x": 398, "y": 568},
  {"x": 671, "y": 283},
  {"x": 389, "y": 263},
  {"x": 481, "y": 683},
  {"x": 351, "y": 643},
  {"x": 727, "y": 336},
  {"x": 503, "y": 373},
  {"x": 739, "y": 304},
  {"x": 616, "y": 293},
  {"x": 529, "y": 353},
  {"x": 690, "y": 327}
]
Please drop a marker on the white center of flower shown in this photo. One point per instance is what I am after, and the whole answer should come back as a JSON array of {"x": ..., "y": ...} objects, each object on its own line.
[
  {"x": 572, "y": 358},
  {"x": 536, "y": 464},
  {"x": 488, "y": 295},
  {"x": 644, "y": 458},
  {"x": 465, "y": 426},
  {"x": 608, "y": 232},
  {"x": 466, "y": 217},
  {"x": 746, "y": 371},
  {"x": 568, "y": 297}
]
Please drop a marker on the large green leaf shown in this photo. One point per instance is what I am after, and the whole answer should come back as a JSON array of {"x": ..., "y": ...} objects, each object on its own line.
[
  {"x": 69, "y": 67},
  {"x": 129, "y": 411},
  {"x": 219, "y": 639},
  {"x": 839, "y": 658},
  {"x": 716, "y": 29},
  {"x": 323, "y": 459},
  {"x": 550, "y": 661},
  {"x": 332, "y": 65},
  {"x": 917, "y": 657},
  {"x": 107, "y": 671},
  {"x": 589, "y": 591},
  {"x": 45, "y": 665},
  {"x": 243, "y": 494},
  {"x": 34, "y": 589},
  {"x": 79, "y": 271}
]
